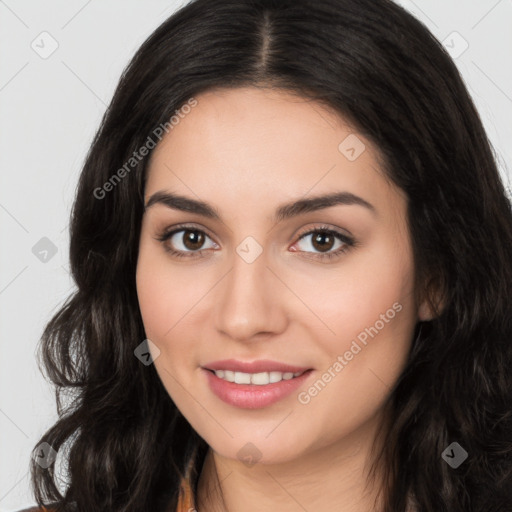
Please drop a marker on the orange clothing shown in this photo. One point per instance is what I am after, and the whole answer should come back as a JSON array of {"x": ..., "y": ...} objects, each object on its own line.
[{"x": 186, "y": 499}]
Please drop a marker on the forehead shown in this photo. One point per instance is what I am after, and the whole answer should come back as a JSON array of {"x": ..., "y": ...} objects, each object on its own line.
[{"x": 265, "y": 144}]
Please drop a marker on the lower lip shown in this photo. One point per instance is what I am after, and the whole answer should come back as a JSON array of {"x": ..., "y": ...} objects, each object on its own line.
[{"x": 252, "y": 396}]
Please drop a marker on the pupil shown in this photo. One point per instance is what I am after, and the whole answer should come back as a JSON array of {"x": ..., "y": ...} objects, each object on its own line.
[
  {"x": 321, "y": 238},
  {"x": 193, "y": 239}
]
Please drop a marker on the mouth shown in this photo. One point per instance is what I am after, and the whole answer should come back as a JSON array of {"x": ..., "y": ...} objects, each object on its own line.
[
  {"x": 247, "y": 390},
  {"x": 256, "y": 379},
  {"x": 255, "y": 367}
]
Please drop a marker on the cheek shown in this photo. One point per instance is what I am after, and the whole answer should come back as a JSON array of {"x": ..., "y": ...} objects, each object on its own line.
[
  {"x": 154, "y": 297},
  {"x": 164, "y": 291},
  {"x": 367, "y": 289},
  {"x": 370, "y": 312},
  {"x": 362, "y": 364},
  {"x": 163, "y": 304},
  {"x": 168, "y": 298}
]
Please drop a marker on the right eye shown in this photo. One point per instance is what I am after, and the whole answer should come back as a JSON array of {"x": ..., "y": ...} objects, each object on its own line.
[{"x": 185, "y": 241}]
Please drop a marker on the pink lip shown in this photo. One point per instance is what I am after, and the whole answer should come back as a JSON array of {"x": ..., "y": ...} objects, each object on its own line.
[
  {"x": 254, "y": 366},
  {"x": 252, "y": 396}
]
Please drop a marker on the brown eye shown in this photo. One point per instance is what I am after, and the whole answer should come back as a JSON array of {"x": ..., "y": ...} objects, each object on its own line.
[
  {"x": 185, "y": 241},
  {"x": 323, "y": 241},
  {"x": 192, "y": 239}
]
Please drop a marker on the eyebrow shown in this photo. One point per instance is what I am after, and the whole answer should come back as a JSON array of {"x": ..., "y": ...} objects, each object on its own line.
[{"x": 285, "y": 211}]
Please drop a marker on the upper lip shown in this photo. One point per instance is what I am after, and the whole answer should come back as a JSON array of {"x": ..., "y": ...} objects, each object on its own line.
[{"x": 263, "y": 365}]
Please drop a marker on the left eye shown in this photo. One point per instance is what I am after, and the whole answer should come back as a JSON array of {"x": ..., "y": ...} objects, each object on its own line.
[
  {"x": 324, "y": 241},
  {"x": 321, "y": 240}
]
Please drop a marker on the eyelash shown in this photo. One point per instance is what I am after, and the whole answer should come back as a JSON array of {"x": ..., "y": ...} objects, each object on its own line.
[{"x": 348, "y": 242}]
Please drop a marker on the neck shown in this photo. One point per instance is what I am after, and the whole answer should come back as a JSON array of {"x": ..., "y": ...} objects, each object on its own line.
[{"x": 332, "y": 476}]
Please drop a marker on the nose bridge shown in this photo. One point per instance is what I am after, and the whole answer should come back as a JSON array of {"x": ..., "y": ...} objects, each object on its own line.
[{"x": 248, "y": 302}]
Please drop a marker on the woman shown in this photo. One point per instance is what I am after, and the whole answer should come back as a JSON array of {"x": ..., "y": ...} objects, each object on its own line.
[{"x": 224, "y": 358}]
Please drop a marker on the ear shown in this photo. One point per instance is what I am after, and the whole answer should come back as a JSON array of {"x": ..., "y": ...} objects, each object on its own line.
[
  {"x": 431, "y": 306},
  {"x": 425, "y": 312}
]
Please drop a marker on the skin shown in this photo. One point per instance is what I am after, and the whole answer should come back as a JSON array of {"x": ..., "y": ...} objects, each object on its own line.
[{"x": 246, "y": 151}]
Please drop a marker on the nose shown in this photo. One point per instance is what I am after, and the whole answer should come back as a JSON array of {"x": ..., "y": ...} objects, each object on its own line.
[{"x": 249, "y": 302}]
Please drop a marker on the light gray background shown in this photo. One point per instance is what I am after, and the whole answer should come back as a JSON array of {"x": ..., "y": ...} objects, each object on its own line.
[{"x": 50, "y": 108}]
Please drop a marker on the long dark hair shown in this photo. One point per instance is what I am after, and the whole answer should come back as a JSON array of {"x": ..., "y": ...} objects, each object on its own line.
[{"x": 123, "y": 442}]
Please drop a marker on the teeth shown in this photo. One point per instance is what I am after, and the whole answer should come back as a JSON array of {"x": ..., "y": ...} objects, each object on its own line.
[
  {"x": 259, "y": 379},
  {"x": 275, "y": 376},
  {"x": 242, "y": 378}
]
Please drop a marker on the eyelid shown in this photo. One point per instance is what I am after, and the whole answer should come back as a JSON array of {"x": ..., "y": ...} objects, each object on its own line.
[
  {"x": 300, "y": 234},
  {"x": 167, "y": 232},
  {"x": 325, "y": 227},
  {"x": 347, "y": 240}
]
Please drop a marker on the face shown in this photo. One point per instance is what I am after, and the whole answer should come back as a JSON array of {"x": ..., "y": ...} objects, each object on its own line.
[{"x": 325, "y": 287}]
